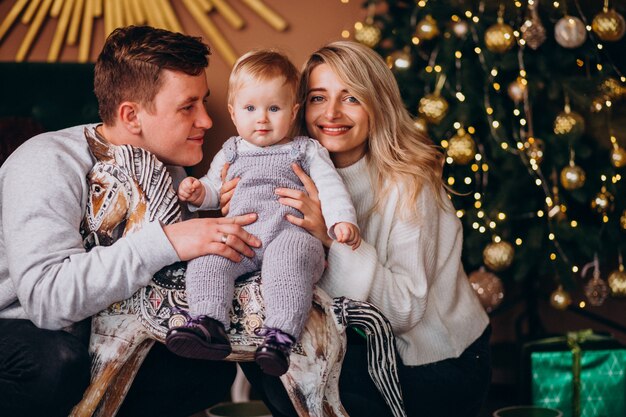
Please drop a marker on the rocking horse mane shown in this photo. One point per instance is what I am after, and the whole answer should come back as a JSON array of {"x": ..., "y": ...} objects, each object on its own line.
[{"x": 150, "y": 174}]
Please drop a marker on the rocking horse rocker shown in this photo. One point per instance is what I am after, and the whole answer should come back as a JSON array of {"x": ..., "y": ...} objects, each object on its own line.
[{"x": 129, "y": 186}]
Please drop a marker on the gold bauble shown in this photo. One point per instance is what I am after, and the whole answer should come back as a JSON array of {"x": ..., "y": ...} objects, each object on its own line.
[
  {"x": 488, "y": 287},
  {"x": 609, "y": 25},
  {"x": 399, "y": 60},
  {"x": 569, "y": 125},
  {"x": 612, "y": 88},
  {"x": 517, "y": 89},
  {"x": 499, "y": 37},
  {"x": 433, "y": 108},
  {"x": 572, "y": 177},
  {"x": 534, "y": 149},
  {"x": 560, "y": 299},
  {"x": 460, "y": 28},
  {"x": 426, "y": 29},
  {"x": 498, "y": 256},
  {"x": 421, "y": 124},
  {"x": 367, "y": 34},
  {"x": 603, "y": 201},
  {"x": 596, "y": 291},
  {"x": 570, "y": 32},
  {"x": 618, "y": 157},
  {"x": 617, "y": 282},
  {"x": 461, "y": 148},
  {"x": 622, "y": 220}
]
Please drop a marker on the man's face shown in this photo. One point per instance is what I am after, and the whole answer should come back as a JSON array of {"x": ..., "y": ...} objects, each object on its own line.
[{"x": 173, "y": 127}]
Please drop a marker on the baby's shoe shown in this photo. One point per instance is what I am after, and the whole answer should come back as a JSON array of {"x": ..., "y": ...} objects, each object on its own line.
[
  {"x": 273, "y": 354},
  {"x": 200, "y": 338}
]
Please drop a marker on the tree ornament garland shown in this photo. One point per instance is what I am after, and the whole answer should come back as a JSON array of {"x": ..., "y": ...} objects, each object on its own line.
[
  {"x": 568, "y": 124},
  {"x": 570, "y": 32},
  {"x": 572, "y": 177},
  {"x": 498, "y": 256},
  {"x": 461, "y": 147},
  {"x": 488, "y": 287},
  {"x": 560, "y": 299},
  {"x": 609, "y": 25}
]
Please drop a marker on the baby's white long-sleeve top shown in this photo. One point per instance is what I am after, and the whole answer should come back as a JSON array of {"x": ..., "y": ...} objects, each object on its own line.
[{"x": 334, "y": 197}]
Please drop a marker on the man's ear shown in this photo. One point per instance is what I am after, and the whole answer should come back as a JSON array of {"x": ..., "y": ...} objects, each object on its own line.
[{"x": 128, "y": 114}]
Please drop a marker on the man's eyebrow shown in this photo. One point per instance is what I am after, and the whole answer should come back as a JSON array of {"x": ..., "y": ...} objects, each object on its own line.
[{"x": 196, "y": 98}]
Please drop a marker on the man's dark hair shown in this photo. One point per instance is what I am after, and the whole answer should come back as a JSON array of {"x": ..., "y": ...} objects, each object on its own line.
[{"x": 131, "y": 62}]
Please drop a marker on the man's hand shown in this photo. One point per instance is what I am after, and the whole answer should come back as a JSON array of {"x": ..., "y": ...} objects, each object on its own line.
[{"x": 219, "y": 236}]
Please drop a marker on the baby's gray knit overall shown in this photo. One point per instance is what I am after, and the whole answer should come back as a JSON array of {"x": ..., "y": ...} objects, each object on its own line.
[{"x": 290, "y": 259}]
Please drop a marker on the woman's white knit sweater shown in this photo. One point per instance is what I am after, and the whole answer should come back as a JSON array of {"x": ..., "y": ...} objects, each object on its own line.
[{"x": 411, "y": 270}]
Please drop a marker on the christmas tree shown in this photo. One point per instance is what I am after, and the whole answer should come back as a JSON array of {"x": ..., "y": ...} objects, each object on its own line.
[{"x": 524, "y": 99}]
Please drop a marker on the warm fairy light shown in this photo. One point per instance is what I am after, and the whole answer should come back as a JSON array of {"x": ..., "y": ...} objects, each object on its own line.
[
  {"x": 486, "y": 167},
  {"x": 458, "y": 55},
  {"x": 605, "y": 218},
  {"x": 468, "y": 14},
  {"x": 489, "y": 110},
  {"x": 574, "y": 268},
  {"x": 608, "y": 103},
  {"x": 478, "y": 157},
  {"x": 477, "y": 50},
  {"x": 467, "y": 180},
  {"x": 437, "y": 68},
  {"x": 459, "y": 213},
  {"x": 497, "y": 239},
  {"x": 482, "y": 229},
  {"x": 428, "y": 68},
  {"x": 522, "y": 73},
  {"x": 599, "y": 66},
  {"x": 449, "y": 160},
  {"x": 345, "y": 1},
  {"x": 474, "y": 168},
  {"x": 582, "y": 304},
  {"x": 556, "y": 4},
  {"x": 494, "y": 72},
  {"x": 573, "y": 223},
  {"x": 518, "y": 241},
  {"x": 603, "y": 177},
  {"x": 450, "y": 180},
  {"x": 599, "y": 47},
  {"x": 480, "y": 214},
  {"x": 504, "y": 145},
  {"x": 471, "y": 130},
  {"x": 580, "y": 62},
  {"x": 475, "y": 19},
  {"x": 495, "y": 124},
  {"x": 553, "y": 256},
  {"x": 492, "y": 224},
  {"x": 551, "y": 236},
  {"x": 549, "y": 201},
  {"x": 522, "y": 122},
  {"x": 415, "y": 40},
  {"x": 538, "y": 182},
  {"x": 454, "y": 18},
  {"x": 358, "y": 25},
  {"x": 622, "y": 79},
  {"x": 457, "y": 125},
  {"x": 475, "y": 225},
  {"x": 421, "y": 3},
  {"x": 460, "y": 96},
  {"x": 522, "y": 41},
  {"x": 345, "y": 34},
  {"x": 520, "y": 145},
  {"x": 516, "y": 112},
  {"x": 501, "y": 216},
  {"x": 496, "y": 86},
  {"x": 518, "y": 4},
  {"x": 477, "y": 204},
  {"x": 444, "y": 143},
  {"x": 539, "y": 213}
]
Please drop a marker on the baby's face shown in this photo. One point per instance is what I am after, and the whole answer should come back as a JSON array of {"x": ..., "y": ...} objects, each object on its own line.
[{"x": 263, "y": 111}]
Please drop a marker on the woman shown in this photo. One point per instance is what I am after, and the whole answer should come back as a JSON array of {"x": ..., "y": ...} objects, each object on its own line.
[{"x": 409, "y": 262}]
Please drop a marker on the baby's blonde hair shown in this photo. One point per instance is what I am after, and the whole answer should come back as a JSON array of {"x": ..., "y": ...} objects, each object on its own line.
[{"x": 263, "y": 65}]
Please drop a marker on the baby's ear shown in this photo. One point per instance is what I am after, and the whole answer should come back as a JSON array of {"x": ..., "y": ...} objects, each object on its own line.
[
  {"x": 231, "y": 111},
  {"x": 295, "y": 111}
]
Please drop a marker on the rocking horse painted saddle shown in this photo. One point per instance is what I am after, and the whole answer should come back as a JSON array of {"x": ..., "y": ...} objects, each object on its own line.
[{"x": 128, "y": 187}]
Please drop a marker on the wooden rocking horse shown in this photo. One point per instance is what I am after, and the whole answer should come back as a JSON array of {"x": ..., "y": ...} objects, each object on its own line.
[{"x": 129, "y": 186}]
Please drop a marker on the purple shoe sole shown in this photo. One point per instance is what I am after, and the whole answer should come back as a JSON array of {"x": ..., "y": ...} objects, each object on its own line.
[
  {"x": 271, "y": 362},
  {"x": 189, "y": 345}
]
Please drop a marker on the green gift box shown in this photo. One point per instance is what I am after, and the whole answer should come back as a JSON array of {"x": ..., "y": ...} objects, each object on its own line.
[{"x": 582, "y": 374}]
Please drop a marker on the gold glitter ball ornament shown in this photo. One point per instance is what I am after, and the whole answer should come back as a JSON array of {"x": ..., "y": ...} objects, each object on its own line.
[
  {"x": 572, "y": 177},
  {"x": 569, "y": 125},
  {"x": 499, "y": 37},
  {"x": 612, "y": 88},
  {"x": 517, "y": 89},
  {"x": 460, "y": 28},
  {"x": 618, "y": 157},
  {"x": 400, "y": 60},
  {"x": 498, "y": 256},
  {"x": 367, "y": 34},
  {"x": 461, "y": 148},
  {"x": 603, "y": 201},
  {"x": 433, "y": 108},
  {"x": 609, "y": 25},
  {"x": 421, "y": 124},
  {"x": 570, "y": 32},
  {"x": 426, "y": 29},
  {"x": 535, "y": 149},
  {"x": 596, "y": 291},
  {"x": 560, "y": 299},
  {"x": 617, "y": 282},
  {"x": 488, "y": 287}
]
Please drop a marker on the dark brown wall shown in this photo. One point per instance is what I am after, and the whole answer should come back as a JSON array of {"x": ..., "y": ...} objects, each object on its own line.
[{"x": 311, "y": 24}]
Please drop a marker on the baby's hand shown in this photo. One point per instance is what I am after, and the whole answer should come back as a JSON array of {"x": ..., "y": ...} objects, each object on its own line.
[
  {"x": 191, "y": 190},
  {"x": 348, "y": 233}
]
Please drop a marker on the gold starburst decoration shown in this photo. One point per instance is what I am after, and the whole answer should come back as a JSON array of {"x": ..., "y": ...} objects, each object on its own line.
[{"x": 76, "y": 21}]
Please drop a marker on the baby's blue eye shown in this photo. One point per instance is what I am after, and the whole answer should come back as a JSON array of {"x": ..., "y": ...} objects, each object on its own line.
[
  {"x": 249, "y": 108},
  {"x": 274, "y": 108}
]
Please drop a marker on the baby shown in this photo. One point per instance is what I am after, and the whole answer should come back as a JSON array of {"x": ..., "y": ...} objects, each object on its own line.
[{"x": 262, "y": 105}]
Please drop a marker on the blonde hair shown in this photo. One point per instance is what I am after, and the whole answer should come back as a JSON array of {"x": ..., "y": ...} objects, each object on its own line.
[
  {"x": 263, "y": 65},
  {"x": 397, "y": 151}
]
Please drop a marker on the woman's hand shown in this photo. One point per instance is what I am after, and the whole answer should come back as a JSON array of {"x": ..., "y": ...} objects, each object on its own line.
[
  {"x": 308, "y": 204},
  {"x": 227, "y": 190},
  {"x": 218, "y": 236}
]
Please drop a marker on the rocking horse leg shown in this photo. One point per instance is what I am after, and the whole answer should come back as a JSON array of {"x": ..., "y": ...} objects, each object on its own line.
[
  {"x": 332, "y": 403},
  {"x": 114, "y": 340}
]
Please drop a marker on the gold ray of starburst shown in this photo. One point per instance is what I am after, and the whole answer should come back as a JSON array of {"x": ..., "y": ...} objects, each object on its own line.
[{"x": 75, "y": 21}]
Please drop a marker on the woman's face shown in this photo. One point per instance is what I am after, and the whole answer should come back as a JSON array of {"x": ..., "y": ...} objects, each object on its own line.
[{"x": 335, "y": 117}]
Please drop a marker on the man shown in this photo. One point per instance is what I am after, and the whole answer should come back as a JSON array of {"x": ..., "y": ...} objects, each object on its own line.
[{"x": 151, "y": 88}]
